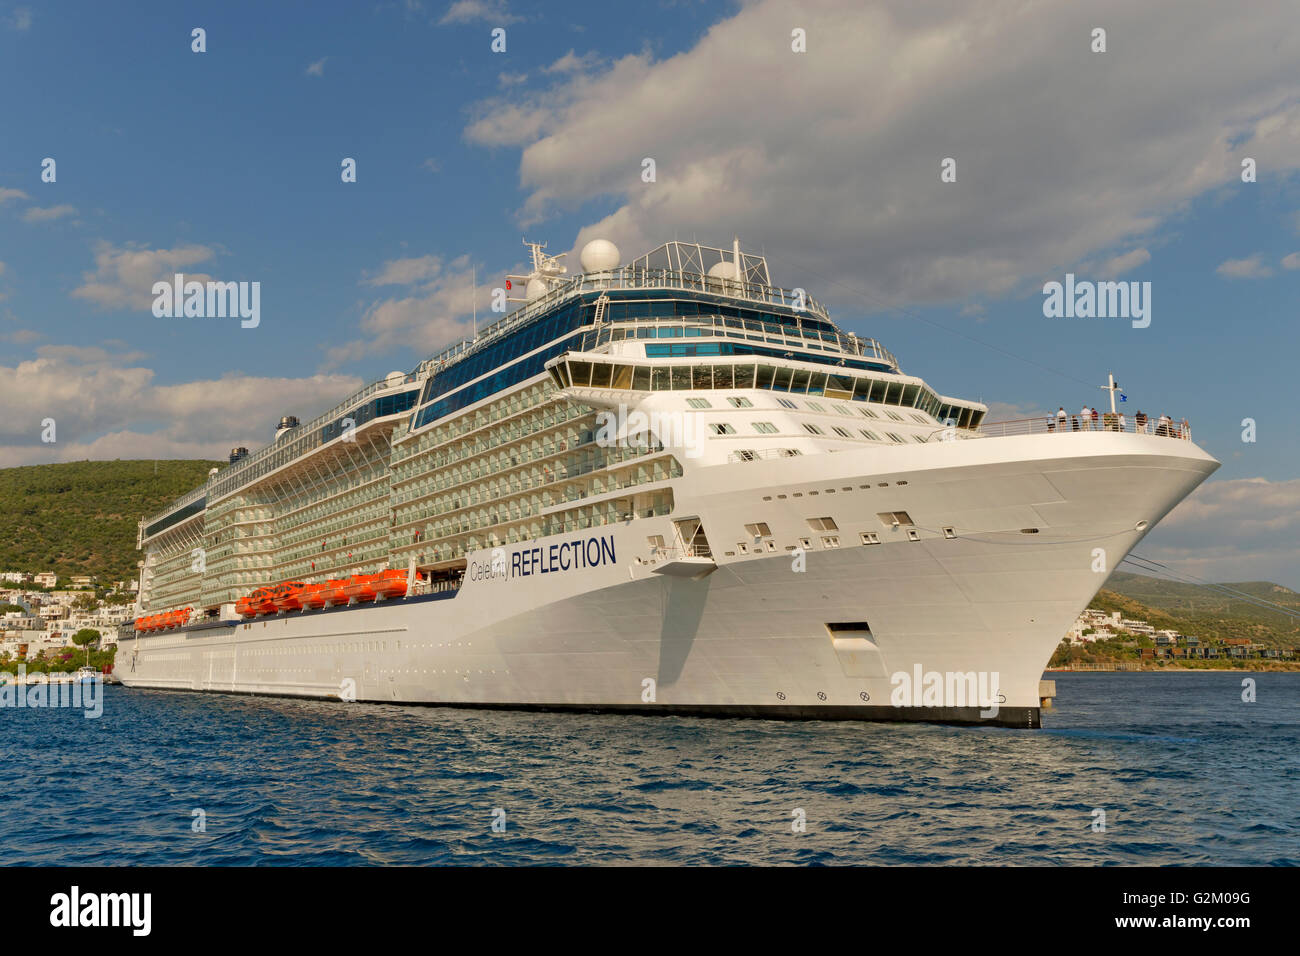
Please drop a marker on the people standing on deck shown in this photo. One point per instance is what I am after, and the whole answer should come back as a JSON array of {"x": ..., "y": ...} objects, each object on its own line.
[
  {"x": 1162, "y": 425},
  {"x": 1061, "y": 418},
  {"x": 1140, "y": 422},
  {"x": 1186, "y": 431},
  {"x": 1123, "y": 425},
  {"x": 1085, "y": 415},
  {"x": 1051, "y": 423},
  {"x": 1094, "y": 419}
]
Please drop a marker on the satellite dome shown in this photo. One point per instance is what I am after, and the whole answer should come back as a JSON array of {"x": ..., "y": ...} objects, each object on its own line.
[
  {"x": 394, "y": 378},
  {"x": 535, "y": 289},
  {"x": 723, "y": 270},
  {"x": 599, "y": 255}
]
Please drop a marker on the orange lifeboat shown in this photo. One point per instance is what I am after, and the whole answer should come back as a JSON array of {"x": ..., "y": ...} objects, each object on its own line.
[
  {"x": 172, "y": 619},
  {"x": 335, "y": 592},
  {"x": 286, "y": 595},
  {"x": 390, "y": 584},
  {"x": 313, "y": 595},
  {"x": 245, "y": 608},
  {"x": 149, "y": 622},
  {"x": 360, "y": 587},
  {"x": 139, "y": 625},
  {"x": 262, "y": 601}
]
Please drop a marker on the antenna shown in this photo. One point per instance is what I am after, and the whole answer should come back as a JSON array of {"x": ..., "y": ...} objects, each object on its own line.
[{"x": 473, "y": 295}]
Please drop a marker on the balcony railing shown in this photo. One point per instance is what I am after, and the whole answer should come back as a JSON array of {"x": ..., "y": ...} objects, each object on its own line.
[{"x": 1071, "y": 424}]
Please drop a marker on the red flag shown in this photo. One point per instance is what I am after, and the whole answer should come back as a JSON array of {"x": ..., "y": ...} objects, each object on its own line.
[{"x": 508, "y": 284}]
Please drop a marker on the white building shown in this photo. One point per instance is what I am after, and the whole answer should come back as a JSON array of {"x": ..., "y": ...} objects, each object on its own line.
[{"x": 46, "y": 579}]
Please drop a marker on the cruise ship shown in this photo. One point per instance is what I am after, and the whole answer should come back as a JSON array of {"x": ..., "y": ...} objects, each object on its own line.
[{"x": 662, "y": 486}]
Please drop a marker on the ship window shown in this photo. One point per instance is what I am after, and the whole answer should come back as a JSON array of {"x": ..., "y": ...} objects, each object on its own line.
[
  {"x": 698, "y": 403},
  {"x": 913, "y": 534},
  {"x": 722, "y": 376},
  {"x": 894, "y": 437},
  {"x": 661, "y": 378},
  {"x": 681, "y": 376},
  {"x": 787, "y": 403},
  {"x": 869, "y": 434},
  {"x": 765, "y": 428},
  {"x": 641, "y": 378},
  {"x": 701, "y": 376},
  {"x": 600, "y": 375},
  {"x": 823, "y": 524},
  {"x": 721, "y": 429},
  {"x": 812, "y": 429},
  {"x": 744, "y": 376},
  {"x": 799, "y": 381},
  {"x": 581, "y": 373},
  {"x": 891, "y": 518},
  {"x": 758, "y": 529},
  {"x": 842, "y": 409},
  {"x": 816, "y": 407},
  {"x": 920, "y": 439},
  {"x": 740, "y": 403},
  {"x": 842, "y": 432},
  {"x": 622, "y": 376},
  {"x": 830, "y": 541},
  {"x": 868, "y": 413},
  {"x": 919, "y": 418},
  {"x": 895, "y": 416}
]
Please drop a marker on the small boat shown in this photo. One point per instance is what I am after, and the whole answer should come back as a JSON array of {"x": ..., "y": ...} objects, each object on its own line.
[
  {"x": 360, "y": 587},
  {"x": 262, "y": 601},
  {"x": 335, "y": 592},
  {"x": 286, "y": 594},
  {"x": 390, "y": 583},
  {"x": 313, "y": 595},
  {"x": 244, "y": 607},
  {"x": 85, "y": 675}
]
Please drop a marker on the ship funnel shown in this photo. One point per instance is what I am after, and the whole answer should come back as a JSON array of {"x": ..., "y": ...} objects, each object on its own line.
[{"x": 238, "y": 453}]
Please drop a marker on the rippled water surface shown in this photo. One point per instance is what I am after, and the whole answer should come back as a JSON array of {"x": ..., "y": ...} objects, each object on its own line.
[{"x": 1186, "y": 772}]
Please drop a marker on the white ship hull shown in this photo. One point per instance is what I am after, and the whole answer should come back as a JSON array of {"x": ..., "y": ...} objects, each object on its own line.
[{"x": 632, "y": 631}]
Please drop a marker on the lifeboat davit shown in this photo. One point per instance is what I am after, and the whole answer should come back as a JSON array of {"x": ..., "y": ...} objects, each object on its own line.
[
  {"x": 360, "y": 587},
  {"x": 335, "y": 592},
  {"x": 286, "y": 595},
  {"x": 313, "y": 595},
  {"x": 390, "y": 584}
]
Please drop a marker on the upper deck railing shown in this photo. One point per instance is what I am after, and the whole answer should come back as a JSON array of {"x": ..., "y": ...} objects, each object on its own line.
[
  {"x": 772, "y": 333},
  {"x": 625, "y": 277},
  {"x": 1104, "y": 422}
]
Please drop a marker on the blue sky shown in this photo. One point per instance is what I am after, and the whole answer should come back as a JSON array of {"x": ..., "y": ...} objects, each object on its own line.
[{"x": 226, "y": 164}]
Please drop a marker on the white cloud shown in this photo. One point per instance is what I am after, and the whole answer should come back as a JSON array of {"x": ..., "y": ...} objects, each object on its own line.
[
  {"x": 572, "y": 63},
  {"x": 1125, "y": 263},
  {"x": 124, "y": 275},
  {"x": 1252, "y": 267},
  {"x": 21, "y": 19},
  {"x": 48, "y": 213},
  {"x": 435, "y": 311},
  {"x": 105, "y": 405},
  {"x": 317, "y": 68},
  {"x": 7, "y": 194},
  {"x": 511, "y": 79},
  {"x": 1244, "y": 529},
  {"x": 830, "y": 159},
  {"x": 1292, "y": 261},
  {"x": 467, "y": 11}
]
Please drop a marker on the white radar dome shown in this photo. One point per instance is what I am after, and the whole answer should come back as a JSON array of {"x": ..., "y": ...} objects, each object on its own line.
[
  {"x": 723, "y": 270},
  {"x": 535, "y": 289},
  {"x": 599, "y": 255},
  {"x": 394, "y": 378}
]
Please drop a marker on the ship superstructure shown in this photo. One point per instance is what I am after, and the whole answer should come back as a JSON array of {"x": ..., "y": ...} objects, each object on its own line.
[{"x": 661, "y": 485}]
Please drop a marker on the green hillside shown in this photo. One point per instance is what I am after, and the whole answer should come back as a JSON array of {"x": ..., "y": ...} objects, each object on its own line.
[
  {"x": 80, "y": 517},
  {"x": 1202, "y": 611}
]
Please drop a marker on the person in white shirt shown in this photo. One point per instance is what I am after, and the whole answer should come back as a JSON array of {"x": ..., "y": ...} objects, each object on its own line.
[
  {"x": 1061, "y": 417},
  {"x": 1123, "y": 425},
  {"x": 1085, "y": 416}
]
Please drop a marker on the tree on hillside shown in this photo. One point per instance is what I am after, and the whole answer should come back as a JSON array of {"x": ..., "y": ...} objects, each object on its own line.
[
  {"x": 84, "y": 602},
  {"x": 87, "y": 635}
]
